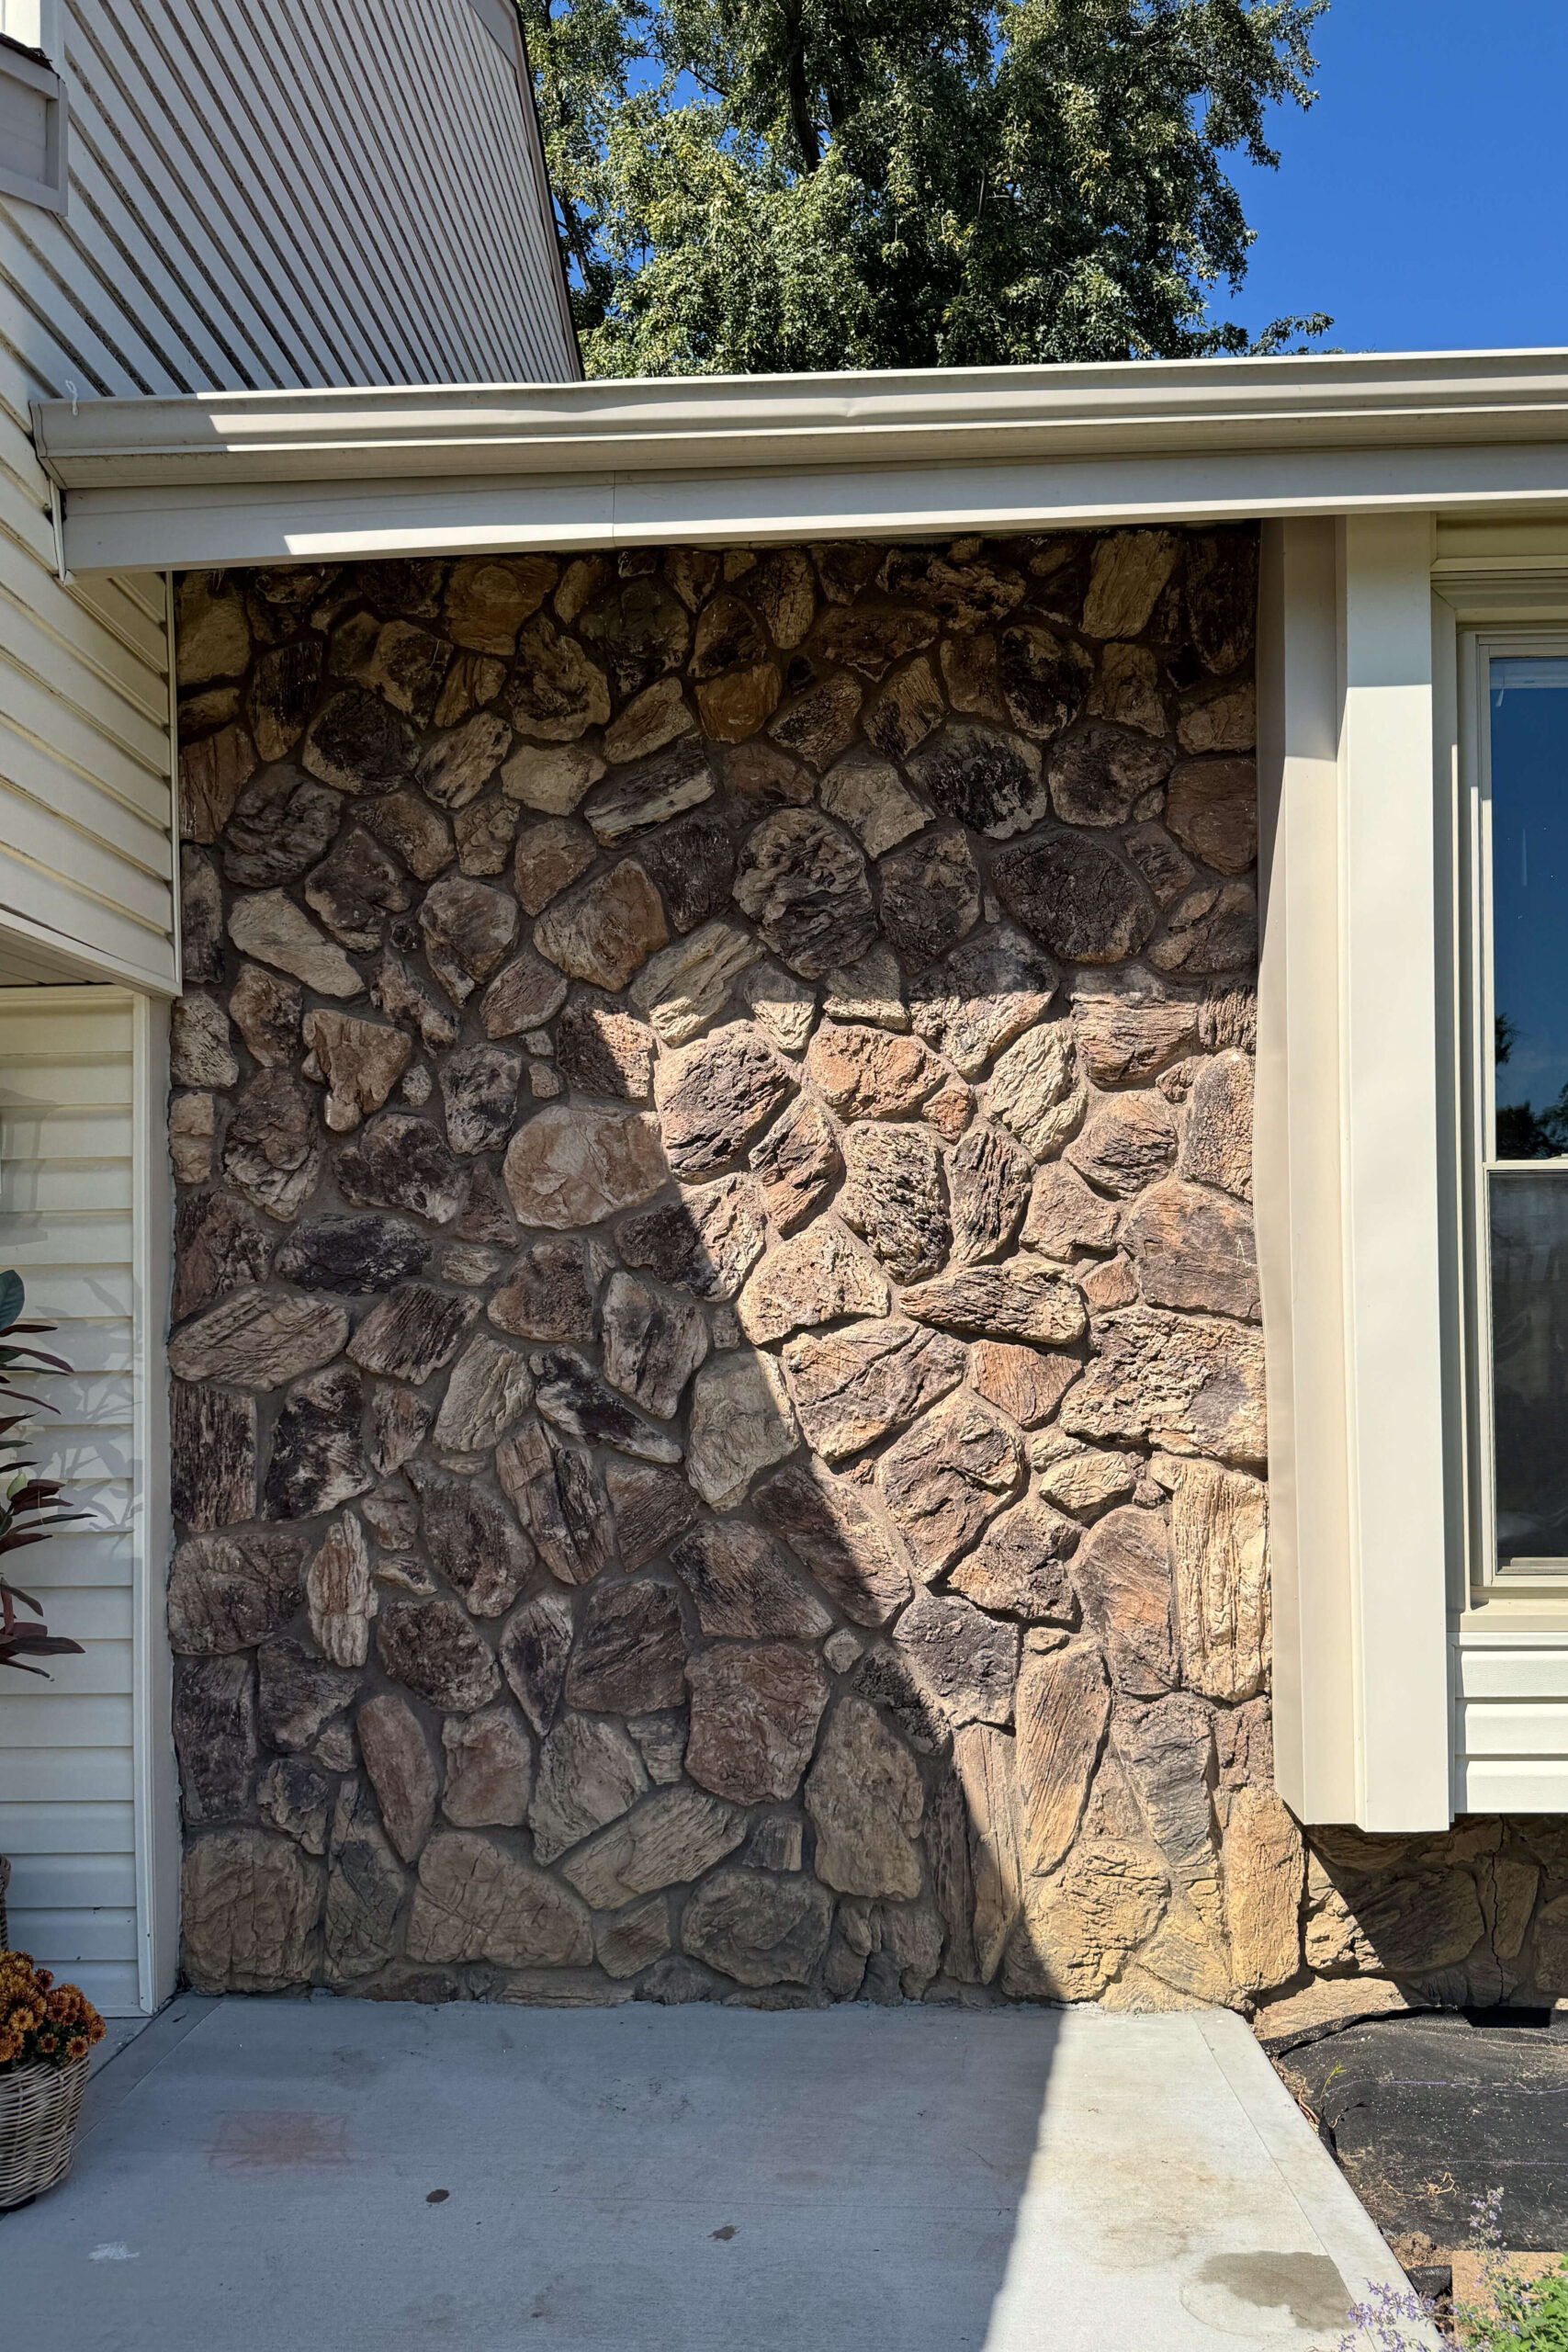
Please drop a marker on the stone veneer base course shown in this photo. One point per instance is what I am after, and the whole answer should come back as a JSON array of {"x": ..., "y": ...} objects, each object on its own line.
[{"x": 718, "y": 1423}]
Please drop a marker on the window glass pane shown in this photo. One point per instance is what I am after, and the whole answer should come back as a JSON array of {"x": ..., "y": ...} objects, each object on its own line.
[
  {"x": 1530, "y": 902},
  {"x": 1529, "y": 1360}
]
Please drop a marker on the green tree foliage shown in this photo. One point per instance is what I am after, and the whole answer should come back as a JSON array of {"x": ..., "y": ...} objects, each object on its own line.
[{"x": 753, "y": 187}]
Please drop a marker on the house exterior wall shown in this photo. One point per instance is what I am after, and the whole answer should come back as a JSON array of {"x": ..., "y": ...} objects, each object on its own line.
[{"x": 719, "y": 1393}]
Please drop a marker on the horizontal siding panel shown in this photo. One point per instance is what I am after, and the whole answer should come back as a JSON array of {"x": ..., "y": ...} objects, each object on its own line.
[
  {"x": 1495, "y": 1784},
  {"x": 67, "y": 1295},
  {"x": 78, "y": 1556},
  {"x": 61, "y": 1938},
  {"x": 56, "y": 631},
  {"x": 65, "y": 1184},
  {"x": 84, "y": 1827},
  {"x": 83, "y": 1881},
  {"x": 75, "y": 1611},
  {"x": 1513, "y": 1673},
  {"x": 84, "y": 1772},
  {"x": 111, "y": 1986},
  {"x": 1512, "y": 1727},
  {"x": 68, "y": 1237},
  {"x": 102, "y": 1671},
  {"x": 56, "y": 1718},
  {"x": 35, "y": 1075},
  {"x": 77, "y": 1136},
  {"x": 102, "y": 786}
]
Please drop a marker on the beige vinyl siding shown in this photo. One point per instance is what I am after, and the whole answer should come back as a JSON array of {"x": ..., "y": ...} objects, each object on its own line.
[
  {"x": 67, "y": 1746},
  {"x": 1511, "y": 1723}
]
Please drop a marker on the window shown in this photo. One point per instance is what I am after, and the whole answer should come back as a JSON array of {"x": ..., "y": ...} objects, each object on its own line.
[{"x": 1520, "y": 1119}]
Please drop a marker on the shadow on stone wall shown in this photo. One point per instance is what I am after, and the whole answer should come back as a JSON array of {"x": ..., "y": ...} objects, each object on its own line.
[{"x": 718, "y": 1408}]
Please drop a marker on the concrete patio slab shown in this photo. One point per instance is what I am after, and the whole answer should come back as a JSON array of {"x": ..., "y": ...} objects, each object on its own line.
[{"x": 257, "y": 2175}]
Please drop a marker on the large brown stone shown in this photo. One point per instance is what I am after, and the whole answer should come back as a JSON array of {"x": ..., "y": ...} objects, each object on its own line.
[
  {"x": 817, "y": 1277},
  {"x": 600, "y": 1051},
  {"x": 412, "y": 1332},
  {"x": 758, "y": 1928},
  {"x": 1193, "y": 1381},
  {"x": 693, "y": 866},
  {"x": 559, "y": 1497},
  {"x": 1016, "y": 1301},
  {"x": 1100, "y": 772},
  {"x": 226, "y": 1593},
  {"x": 605, "y": 930},
  {"x": 988, "y": 1180},
  {"x": 473, "y": 1541},
  {"x": 870, "y": 638},
  {"x": 1063, "y": 1706},
  {"x": 930, "y": 896},
  {"x": 652, "y": 1344},
  {"x": 490, "y": 1769},
  {"x": 963, "y": 1659},
  {"x": 706, "y": 1240},
  {"x": 982, "y": 778},
  {"x": 965, "y": 592},
  {"x": 868, "y": 1073},
  {"x": 796, "y": 1164},
  {"x": 459, "y": 762},
  {"x": 947, "y": 1477},
  {"x": 552, "y": 1293},
  {"x": 894, "y": 1197},
  {"x": 630, "y": 1654},
  {"x": 1129, "y": 1035},
  {"x": 986, "y": 993},
  {"x": 837, "y": 1537},
  {"x": 1122, "y": 1573},
  {"x": 250, "y": 1904},
  {"x": 489, "y": 597},
  {"x": 1129, "y": 1141},
  {"x": 358, "y": 1061},
  {"x": 1211, "y": 808},
  {"x": 1129, "y": 572},
  {"x": 1034, "y": 1089},
  {"x": 1219, "y": 1542},
  {"x": 983, "y": 1768},
  {"x": 352, "y": 1254},
  {"x": 318, "y": 1454},
  {"x": 340, "y": 1594},
  {"x": 656, "y": 789},
  {"x": 398, "y": 1760},
  {"x": 1043, "y": 679},
  {"x": 356, "y": 744},
  {"x": 1021, "y": 1382},
  {"x": 865, "y": 1797},
  {"x": 536, "y": 1643},
  {"x": 266, "y": 1011},
  {"x": 1213, "y": 929},
  {"x": 550, "y": 856},
  {"x": 683, "y": 988},
  {"x": 1216, "y": 1134},
  {"x": 271, "y": 1153},
  {"x": 713, "y": 1096},
  {"x": 651, "y": 1508},
  {"x": 281, "y": 823},
  {"x": 575, "y": 1400},
  {"x": 672, "y": 1839},
  {"x": 475, "y": 1902},
  {"x": 468, "y": 926},
  {"x": 741, "y": 1421},
  {"x": 1222, "y": 597},
  {"x": 638, "y": 630},
  {"x": 1066, "y": 1217},
  {"x": 402, "y": 1162},
  {"x": 296, "y": 1695},
  {"x": 1076, "y": 896},
  {"x": 754, "y": 1716},
  {"x": 1078, "y": 1928},
  {"x": 804, "y": 885},
  {"x": 213, "y": 773},
  {"x": 213, "y": 1455},
  {"x": 1018, "y": 1567},
  {"x": 259, "y": 1338},
  {"x": 855, "y": 1386},
  {"x": 555, "y": 692},
  {"x": 567, "y": 1168},
  {"x": 1264, "y": 1867},
  {"x": 742, "y": 1587},
  {"x": 1194, "y": 1249},
  {"x": 356, "y": 889},
  {"x": 784, "y": 1007},
  {"x": 819, "y": 723},
  {"x": 590, "y": 1773},
  {"x": 478, "y": 1093},
  {"x": 430, "y": 1648},
  {"x": 214, "y": 1723}
]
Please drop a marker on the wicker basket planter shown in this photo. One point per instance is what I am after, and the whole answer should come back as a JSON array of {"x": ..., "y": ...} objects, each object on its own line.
[{"x": 38, "y": 2107}]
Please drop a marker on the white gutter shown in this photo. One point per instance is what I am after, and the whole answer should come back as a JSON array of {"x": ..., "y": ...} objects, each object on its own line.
[{"x": 262, "y": 476}]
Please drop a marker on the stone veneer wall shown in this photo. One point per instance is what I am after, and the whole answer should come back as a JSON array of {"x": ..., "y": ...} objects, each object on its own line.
[{"x": 718, "y": 1402}]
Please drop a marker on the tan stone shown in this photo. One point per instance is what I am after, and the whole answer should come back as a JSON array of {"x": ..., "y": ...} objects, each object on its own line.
[
  {"x": 1130, "y": 571},
  {"x": 797, "y": 1163},
  {"x": 1222, "y": 718},
  {"x": 1219, "y": 1539},
  {"x": 250, "y": 1907},
  {"x": 983, "y": 1764},
  {"x": 341, "y": 1596},
  {"x": 192, "y": 1124},
  {"x": 1131, "y": 1035},
  {"x": 212, "y": 635},
  {"x": 683, "y": 988},
  {"x": 741, "y": 1421},
  {"x": 1082, "y": 1925},
  {"x": 256, "y": 1340},
  {"x": 816, "y": 1277},
  {"x": 947, "y": 1477},
  {"x": 868, "y": 796},
  {"x": 894, "y": 1197},
  {"x": 552, "y": 781},
  {"x": 1211, "y": 808},
  {"x": 836, "y": 1534},
  {"x": 489, "y": 597},
  {"x": 1066, "y": 1217},
  {"x": 865, "y": 1797},
  {"x": 1263, "y": 1867},
  {"x": 358, "y": 1061},
  {"x": 1216, "y": 1134},
  {"x": 1129, "y": 1141},
  {"x": 1034, "y": 1089},
  {"x": 490, "y": 1769},
  {"x": 1063, "y": 1706},
  {"x": 733, "y": 707},
  {"x": 755, "y": 1708},
  {"x": 589, "y": 1773},
  {"x": 670, "y": 1840},
  {"x": 1018, "y": 1568},
  {"x": 783, "y": 1006},
  {"x": 488, "y": 1389},
  {"x": 567, "y": 1168},
  {"x": 606, "y": 929},
  {"x": 265, "y": 1011},
  {"x": 1085, "y": 1479},
  {"x": 1194, "y": 1383},
  {"x": 1122, "y": 1573},
  {"x": 270, "y": 927},
  {"x": 1126, "y": 689},
  {"x": 854, "y": 1386},
  {"x": 475, "y": 1902},
  {"x": 401, "y": 1770},
  {"x": 1019, "y": 1300}
]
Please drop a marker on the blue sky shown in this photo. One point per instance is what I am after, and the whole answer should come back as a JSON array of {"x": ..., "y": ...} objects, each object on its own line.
[{"x": 1422, "y": 199}]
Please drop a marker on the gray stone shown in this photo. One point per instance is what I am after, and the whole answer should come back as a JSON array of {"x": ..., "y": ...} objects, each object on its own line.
[
  {"x": 669, "y": 1841},
  {"x": 473, "y": 1541},
  {"x": 963, "y": 1659},
  {"x": 490, "y": 1769},
  {"x": 523, "y": 995},
  {"x": 430, "y": 1647},
  {"x": 693, "y": 866},
  {"x": 853, "y": 1387},
  {"x": 1077, "y": 896},
  {"x": 296, "y": 1796},
  {"x": 704, "y": 1241},
  {"x": 982, "y": 778},
  {"x": 365, "y": 1891},
  {"x": 1194, "y": 1249},
  {"x": 403, "y": 1162},
  {"x": 797, "y": 1163},
  {"x": 651, "y": 1508},
  {"x": 1221, "y": 598},
  {"x": 867, "y": 796},
  {"x": 652, "y": 791},
  {"x": 661, "y": 1744},
  {"x": 784, "y": 1007},
  {"x": 573, "y": 1397},
  {"x": 589, "y": 1773},
  {"x": 215, "y": 1734},
  {"x": 296, "y": 1694},
  {"x": 356, "y": 744},
  {"x": 872, "y": 990},
  {"x": 947, "y": 1477},
  {"x": 356, "y": 889},
  {"x": 837, "y": 1537},
  {"x": 864, "y": 1798},
  {"x": 1194, "y": 1382},
  {"x": 413, "y": 831},
  {"x": 270, "y": 1153},
  {"x": 468, "y": 926},
  {"x": 601, "y": 1051},
  {"x": 630, "y": 1653},
  {"x": 627, "y": 1943},
  {"x": 489, "y": 1388},
  {"x": 1213, "y": 929},
  {"x": 551, "y": 781},
  {"x": 755, "y": 1710},
  {"x": 986, "y": 993},
  {"x": 318, "y": 1457},
  {"x": 352, "y": 1254},
  {"x": 1018, "y": 1567},
  {"x": 804, "y": 884},
  {"x": 401, "y": 997},
  {"x": 1017, "y": 1301},
  {"x": 894, "y": 1197},
  {"x": 652, "y": 1344},
  {"x": 559, "y": 1497},
  {"x": 1043, "y": 679},
  {"x": 536, "y": 1643},
  {"x": 713, "y": 1096},
  {"x": 741, "y": 1422},
  {"x": 1102, "y": 772},
  {"x": 569, "y": 1168},
  {"x": 399, "y": 1423},
  {"x": 459, "y": 762},
  {"x": 552, "y": 1293},
  {"x": 759, "y": 1928},
  {"x": 226, "y": 1593},
  {"x": 930, "y": 896},
  {"x": 478, "y": 1088},
  {"x": 259, "y": 1338},
  {"x": 988, "y": 1180},
  {"x": 606, "y": 929},
  {"x": 475, "y": 1902},
  {"x": 199, "y": 1050},
  {"x": 281, "y": 822},
  {"x": 742, "y": 1587},
  {"x": 201, "y": 918},
  {"x": 555, "y": 692},
  {"x": 411, "y": 1333},
  {"x": 213, "y": 1455}
]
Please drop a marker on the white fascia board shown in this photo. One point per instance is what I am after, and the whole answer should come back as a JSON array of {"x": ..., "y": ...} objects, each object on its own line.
[{"x": 266, "y": 477}]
